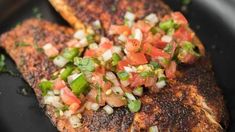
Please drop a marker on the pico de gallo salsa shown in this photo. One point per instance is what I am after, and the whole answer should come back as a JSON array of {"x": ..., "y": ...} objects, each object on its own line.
[{"x": 100, "y": 73}]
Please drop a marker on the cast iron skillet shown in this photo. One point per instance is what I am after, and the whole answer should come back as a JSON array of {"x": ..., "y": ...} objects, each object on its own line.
[{"x": 212, "y": 20}]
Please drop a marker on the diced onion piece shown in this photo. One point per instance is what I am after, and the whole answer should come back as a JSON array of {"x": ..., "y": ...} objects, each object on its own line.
[
  {"x": 153, "y": 129},
  {"x": 108, "y": 109},
  {"x": 75, "y": 121},
  {"x": 82, "y": 43},
  {"x": 107, "y": 55},
  {"x": 152, "y": 18},
  {"x": 53, "y": 100},
  {"x": 117, "y": 90},
  {"x": 68, "y": 113},
  {"x": 110, "y": 76},
  {"x": 138, "y": 35},
  {"x": 108, "y": 92},
  {"x": 129, "y": 69},
  {"x": 125, "y": 83},
  {"x": 161, "y": 84},
  {"x": 117, "y": 49},
  {"x": 166, "y": 38},
  {"x": 129, "y": 16},
  {"x": 130, "y": 96},
  {"x": 138, "y": 91},
  {"x": 60, "y": 61},
  {"x": 93, "y": 46},
  {"x": 95, "y": 106},
  {"x": 72, "y": 77},
  {"x": 79, "y": 34},
  {"x": 50, "y": 50},
  {"x": 122, "y": 38},
  {"x": 88, "y": 105},
  {"x": 97, "y": 24}
]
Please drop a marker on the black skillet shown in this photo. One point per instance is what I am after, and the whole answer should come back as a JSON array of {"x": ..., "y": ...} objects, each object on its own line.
[{"x": 212, "y": 20}]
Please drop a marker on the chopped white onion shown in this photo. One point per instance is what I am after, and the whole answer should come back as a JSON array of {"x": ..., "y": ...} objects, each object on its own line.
[
  {"x": 153, "y": 129},
  {"x": 68, "y": 113},
  {"x": 122, "y": 38},
  {"x": 50, "y": 50},
  {"x": 117, "y": 49},
  {"x": 125, "y": 83},
  {"x": 161, "y": 84},
  {"x": 138, "y": 35},
  {"x": 129, "y": 69},
  {"x": 130, "y": 96},
  {"x": 97, "y": 24},
  {"x": 95, "y": 106},
  {"x": 53, "y": 100},
  {"x": 152, "y": 18},
  {"x": 108, "y": 109},
  {"x": 107, "y": 55},
  {"x": 72, "y": 77},
  {"x": 117, "y": 90},
  {"x": 93, "y": 46},
  {"x": 75, "y": 121},
  {"x": 88, "y": 105},
  {"x": 51, "y": 93},
  {"x": 79, "y": 34},
  {"x": 60, "y": 61},
  {"x": 166, "y": 38},
  {"x": 129, "y": 16},
  {"x": 108, "y": 92},
  {"x": 56, "y": 92},
  {"x": 82, "y": 43}
]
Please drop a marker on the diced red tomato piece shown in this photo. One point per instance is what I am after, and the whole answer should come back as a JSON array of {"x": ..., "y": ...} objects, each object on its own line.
[
  {"x": 59, "y": 84},
  {"x": 122, "y": 64},
  {"x": 74, "y": 107},
  {"x": 149, "y": 81},
  {"x": 137, "y": 80},
  {"x": 68, "y": 96},
  {"x": 137, "y": 58},
  {"x": 132, "y": 45},
  {"x": 155, "y": 52},
  {"x": 171, "y": 69},
  {"x": 119, "y": 29},
  {"x": 142, "y": 25},
  {"x": 89, "y": 53},
  {"x": 179, "y": 18},
  {"x": 183, "y": 34}
]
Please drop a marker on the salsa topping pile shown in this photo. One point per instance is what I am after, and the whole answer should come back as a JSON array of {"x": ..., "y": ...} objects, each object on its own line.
[{"x": 100, "y": 73}]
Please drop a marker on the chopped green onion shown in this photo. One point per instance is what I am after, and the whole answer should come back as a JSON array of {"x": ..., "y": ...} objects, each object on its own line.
[
  {"x": 168, "y": 25},
  {"x": 146, "y": 73},
  {"x": 189, "y": 47},
  {"x": 154, "y": 30},
  {"x": 79, "y": 85},
  {"x": 134, "y": 105},
  {"x": 138, "y": 91},
  {"x": 70, "y": 53},
  {"x": 116, "y": 58},
  {"x": 85, "y": 64},
  {"x": 130, "y": 96},
  {"x": 45, "y": 86},
  {"x": 98, "y": 96},
  {"x": 90, "y": 38},
  {"x": 123, "y": 75},
  {"x": 66, "y": 72},
  {"x": 155, "y": 64}
]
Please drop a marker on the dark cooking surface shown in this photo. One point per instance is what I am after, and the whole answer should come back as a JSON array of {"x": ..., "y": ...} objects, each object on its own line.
[{"x": 212, "y": 20}]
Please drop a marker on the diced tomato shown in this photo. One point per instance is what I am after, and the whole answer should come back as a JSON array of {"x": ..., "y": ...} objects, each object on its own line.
[
  {"x": 89, "y": 53},
  {"x": 155, "y": 52},
  {"x": 132, "y": 45},
  {"x": 122, "y": 64},
  {"x": 179, "y": 18},
  {"x": 183, "y": 34},
  {"x": 142, "y": 25},
  {"x": 74, "y": 107},
  {"x": 170, "y": 70},
  {"x": 107, "y": 85},
  {"x": 100, "y": 71},
  {"x": 137, "y": 80},
  {"x": 137, "y": 58},
  {"x": 59, "y": 84},
  {"x": 149, "y": 81},
  {"x": 68, "y": 96},
  {"x": 104, "y": 45},
  {"x": 119, "y": 29}
]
